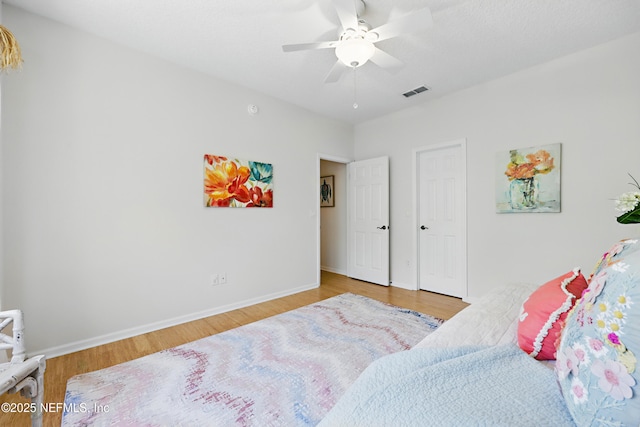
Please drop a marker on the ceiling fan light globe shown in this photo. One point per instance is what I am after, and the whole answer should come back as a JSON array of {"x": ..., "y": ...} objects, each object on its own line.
[{"x": 355, "y": 52}]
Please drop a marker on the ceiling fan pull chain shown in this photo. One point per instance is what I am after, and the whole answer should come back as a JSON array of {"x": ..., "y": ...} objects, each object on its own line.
[{"x": 355, "y": 98}]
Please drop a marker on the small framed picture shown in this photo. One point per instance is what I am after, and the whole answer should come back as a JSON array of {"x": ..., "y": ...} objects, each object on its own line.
[{"x": 327, "y": 192}]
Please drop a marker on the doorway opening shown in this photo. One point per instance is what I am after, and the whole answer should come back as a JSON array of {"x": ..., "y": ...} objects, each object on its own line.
[{"x": 332, "y": 220}]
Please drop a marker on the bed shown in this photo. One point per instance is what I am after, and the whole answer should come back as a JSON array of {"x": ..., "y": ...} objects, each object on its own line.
[
  {"x": 468, "y": 372},
  {"x": 559, "y": 354}
]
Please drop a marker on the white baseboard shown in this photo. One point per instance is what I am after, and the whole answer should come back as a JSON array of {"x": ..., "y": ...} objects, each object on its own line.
[
  {"x": 467, "y": 299},
  {"x": 139, "y": 330},
  {"x": 404, "y": 286},
  {"x": 333, "y": 270}
]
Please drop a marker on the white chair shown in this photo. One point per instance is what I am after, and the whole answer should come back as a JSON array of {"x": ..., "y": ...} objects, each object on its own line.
[{"x": 22, "y": 374}]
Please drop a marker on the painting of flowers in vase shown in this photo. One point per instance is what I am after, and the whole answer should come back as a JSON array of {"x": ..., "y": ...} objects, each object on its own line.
[
  {"x": 237, "y": 183},
  {"x": 528, "y": 179}
]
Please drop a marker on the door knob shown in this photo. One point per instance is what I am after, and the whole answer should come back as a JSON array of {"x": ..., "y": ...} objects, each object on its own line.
[
  {"x": 422, "y": 227},
  {"x": 384, "y": 227}
]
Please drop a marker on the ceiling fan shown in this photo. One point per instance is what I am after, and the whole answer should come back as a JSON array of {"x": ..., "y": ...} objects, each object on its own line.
[{"x": 356, "y": 43}]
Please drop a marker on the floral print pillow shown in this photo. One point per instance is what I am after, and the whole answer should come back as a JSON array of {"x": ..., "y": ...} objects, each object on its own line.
[{"x": 596, "y": 361}]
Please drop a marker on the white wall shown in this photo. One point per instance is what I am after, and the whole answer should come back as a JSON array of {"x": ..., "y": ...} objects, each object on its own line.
[
  {"x": 104, "y": 226},
  {"x": 333, "y": 221},
  {"x": 589, "y": 101}
]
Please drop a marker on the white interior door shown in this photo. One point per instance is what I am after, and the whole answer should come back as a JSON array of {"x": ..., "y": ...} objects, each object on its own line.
[
  {"x": 441, "y": 180},
  {"x": 368, "y": 224}
]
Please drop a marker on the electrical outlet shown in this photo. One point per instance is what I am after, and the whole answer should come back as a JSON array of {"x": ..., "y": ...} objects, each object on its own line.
[
  {"x": 215, "y": 280},
  {"x": 223, "y": 278}
]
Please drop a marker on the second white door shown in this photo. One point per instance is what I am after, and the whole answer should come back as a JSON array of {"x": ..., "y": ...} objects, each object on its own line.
[{"x": 442, "y": 219}]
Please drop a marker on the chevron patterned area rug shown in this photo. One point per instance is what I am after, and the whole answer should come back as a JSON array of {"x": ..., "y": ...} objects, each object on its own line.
[{"x": 286, "y": 370}]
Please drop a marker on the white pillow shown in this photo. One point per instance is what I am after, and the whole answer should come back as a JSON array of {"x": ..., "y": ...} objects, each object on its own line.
[{"x": 493, "y": 320}]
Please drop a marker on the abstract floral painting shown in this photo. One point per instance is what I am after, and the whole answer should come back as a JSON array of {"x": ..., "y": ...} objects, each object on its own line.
[
  {"x": 237, "y": 183},
  {"x": 528, "y": 179}
]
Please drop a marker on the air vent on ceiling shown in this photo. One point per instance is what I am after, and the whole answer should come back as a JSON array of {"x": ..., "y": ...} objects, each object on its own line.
[{"x": 415, "y": 91}]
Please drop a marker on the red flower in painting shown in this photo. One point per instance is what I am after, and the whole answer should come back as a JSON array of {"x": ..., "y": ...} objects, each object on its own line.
[
  {"x": 211, "y": 159},
  {"x": 542, "y": 161},
  {"x": 225, "y": 182},
  {"x": 521, "y": 171},
  {"x": 260, "y": 199}
]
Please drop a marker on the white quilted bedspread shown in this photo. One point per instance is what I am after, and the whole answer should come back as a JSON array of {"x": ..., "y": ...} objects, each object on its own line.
[
  {"x": 493, "y": 320},
  {"x": 497, "y": 386}
]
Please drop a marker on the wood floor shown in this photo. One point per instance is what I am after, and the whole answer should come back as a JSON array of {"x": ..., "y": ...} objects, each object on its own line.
[{"x": 60, "y": 369}]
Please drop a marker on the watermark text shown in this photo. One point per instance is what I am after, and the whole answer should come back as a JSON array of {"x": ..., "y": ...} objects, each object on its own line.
[{"x": 32, "y": 407}]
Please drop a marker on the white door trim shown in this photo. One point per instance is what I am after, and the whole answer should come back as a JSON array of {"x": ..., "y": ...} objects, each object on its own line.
[
  {"x": 416, "y": 203},
  {"x": 328, "y": 157}
]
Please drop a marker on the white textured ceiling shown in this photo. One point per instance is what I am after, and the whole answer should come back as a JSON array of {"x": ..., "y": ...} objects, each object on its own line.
[{"x": 240, "y": 41}]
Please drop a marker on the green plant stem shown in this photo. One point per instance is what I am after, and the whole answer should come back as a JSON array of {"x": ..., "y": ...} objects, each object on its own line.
[{"x": 631, "y": 217}]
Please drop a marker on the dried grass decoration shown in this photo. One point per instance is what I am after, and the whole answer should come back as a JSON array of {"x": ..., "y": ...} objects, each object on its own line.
[{"x": 10, "y": 56}]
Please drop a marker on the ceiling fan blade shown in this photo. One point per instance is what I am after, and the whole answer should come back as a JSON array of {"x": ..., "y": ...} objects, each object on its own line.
[
  {"x": 335, "y": 73},
  {"x": 346, "y": 13},
  {"x": 383, "y": 60},
  {"x": 308, "y": 46},
  {"x": 417, "y": 21}
]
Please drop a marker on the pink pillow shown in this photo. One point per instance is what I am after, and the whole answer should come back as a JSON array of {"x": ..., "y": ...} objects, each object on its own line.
[{"x": 542, "y": 314}]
